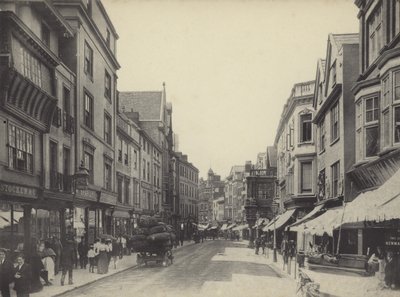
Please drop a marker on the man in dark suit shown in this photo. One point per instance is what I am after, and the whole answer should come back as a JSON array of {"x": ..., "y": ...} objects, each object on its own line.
[
  {"x": 22, "y": 277},
  {"x": 6, "y": 274}
]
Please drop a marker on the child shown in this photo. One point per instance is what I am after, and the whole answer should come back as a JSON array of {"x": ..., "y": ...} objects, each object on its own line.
[{"x": 91, "y": 256}]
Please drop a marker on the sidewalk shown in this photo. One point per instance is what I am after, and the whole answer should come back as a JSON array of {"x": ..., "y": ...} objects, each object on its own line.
[
  {"x": 82, "y": 277},
  {"x": 332, "y": 283}
]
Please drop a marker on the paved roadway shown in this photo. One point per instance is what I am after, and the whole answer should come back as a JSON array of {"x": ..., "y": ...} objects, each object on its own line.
[{"x": 212, "y": 268}]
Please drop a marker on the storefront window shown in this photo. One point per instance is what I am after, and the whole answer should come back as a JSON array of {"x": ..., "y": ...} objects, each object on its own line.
[
  {"x": 79, "y": 221},
  {"x": 11, "y": 226}
]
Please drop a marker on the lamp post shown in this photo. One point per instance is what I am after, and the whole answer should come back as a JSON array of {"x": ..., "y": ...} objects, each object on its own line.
[{"x": 251, "y": 212}]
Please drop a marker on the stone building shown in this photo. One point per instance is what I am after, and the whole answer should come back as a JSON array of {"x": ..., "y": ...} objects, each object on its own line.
[
  {"x": 296, "y": 161},
  {"x": 37, "y": 155},
  {"x": 234, "y": 187},
  {"x": 155, "y": 118},
  {"x": 209, "y": 189},
  {"x": 188, "y": 192},
  {"x": 91, "y": 55},
  {"x": 334, "y": 118}
]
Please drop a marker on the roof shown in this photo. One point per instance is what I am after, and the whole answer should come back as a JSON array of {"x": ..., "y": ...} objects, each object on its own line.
[
  {"x": 147, "y": 103},
  {"x": 272, "y": 156},
  {"x": 340, "y": 39},
  {"x": 237, "y": 168}
]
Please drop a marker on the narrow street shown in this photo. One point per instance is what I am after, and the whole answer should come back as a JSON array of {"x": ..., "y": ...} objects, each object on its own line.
[{"x": 212, "y": 268}]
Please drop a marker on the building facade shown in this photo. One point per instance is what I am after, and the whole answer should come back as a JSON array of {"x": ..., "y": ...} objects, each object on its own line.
[
  {"x": 37, "y": 109},
  {"x": 188, "y": 194},
  {"x": 155, "y": 118},
  {"x": 234, "y": 187},
  {"x": 209, "y": 189},
  {"x": 91, "y": 55},
  {"x": 295, "y": 144},
  {"x": 334, "y": 118}
]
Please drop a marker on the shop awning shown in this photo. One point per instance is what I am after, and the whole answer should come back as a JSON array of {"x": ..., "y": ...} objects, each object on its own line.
[
  {"x": 280, "y": 221},
  {"x": 223, "y": 228},
  {"x": 376, "y": 205},
  {"x": 270, "y": 226},
  {"x": 312, "y": 214},
  {"x": 121, "y": 214},
  {"x": 326, "y": 222},
  {"x": 202, "y": 227},
  {"x": 230, "y": 226},
  {"x": 241, "y": 227}
]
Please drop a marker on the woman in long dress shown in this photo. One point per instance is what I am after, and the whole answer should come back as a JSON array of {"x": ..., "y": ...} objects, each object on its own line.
[{"x": 102, "y": 265}]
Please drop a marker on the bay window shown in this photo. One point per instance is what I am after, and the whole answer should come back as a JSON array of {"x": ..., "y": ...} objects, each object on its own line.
[
  {"x": 306, "y": 177},
  {"x": 375, "y": 34},
  {"x": 396, "y": 124},
  {"x": 305, "y": 127}
]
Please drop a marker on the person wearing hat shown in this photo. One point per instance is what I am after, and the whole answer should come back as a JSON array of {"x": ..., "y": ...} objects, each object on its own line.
[
  {"x": 6, "y": 274},
  {"x": 22, "y": 277}
]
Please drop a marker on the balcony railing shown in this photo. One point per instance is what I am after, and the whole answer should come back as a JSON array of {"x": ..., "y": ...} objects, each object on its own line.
[{"x": 60, "y": 182}]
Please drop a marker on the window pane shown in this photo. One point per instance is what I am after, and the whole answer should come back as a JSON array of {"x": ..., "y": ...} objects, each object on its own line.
[
  {"x": 306, "y": 177},
  {"x": 371, "y": 141},
  {"x": 396, "y": 85},
  {"x": 397, "y": 124},
  {"x": 386, "y": 129}
]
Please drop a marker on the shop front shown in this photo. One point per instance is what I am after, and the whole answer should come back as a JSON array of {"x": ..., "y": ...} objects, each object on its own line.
[{"x": 17, "y": 204}]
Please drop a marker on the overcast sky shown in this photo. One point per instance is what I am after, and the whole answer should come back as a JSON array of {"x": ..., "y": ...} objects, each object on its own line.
[{"x": 229, "y": 66}]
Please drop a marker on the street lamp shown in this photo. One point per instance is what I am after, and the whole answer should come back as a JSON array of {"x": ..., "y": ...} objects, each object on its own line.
[{"x": 251, "y": 212}]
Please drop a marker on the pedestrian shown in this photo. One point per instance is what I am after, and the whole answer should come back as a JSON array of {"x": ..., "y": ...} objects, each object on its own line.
[
  {"x": 91, "y": 255},
  {"x": 57, "y": 248},
  {"x": 22, "y": 277},
  {"x": 284, "y": 251},
  {"x": 68, "y": 260},
  {"x": 122, "y": 243},
  {"x": 263, "y": 244},
  {"x": 102, "y": 262},
  {"x": 6, "y": 274},
  {"x": 390, "y": 270},
  {"x": 258, "y": 244},
  {"x": 36, "y": 267},
  {"x": 82, "y": 252},
  {"x": 115, "y": 252},
  {"x": 48, "y": 256},
  {"x": 109, "y": 250}
]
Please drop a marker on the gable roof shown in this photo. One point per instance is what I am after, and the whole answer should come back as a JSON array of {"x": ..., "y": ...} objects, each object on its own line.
[{"x": 147, "y": 103}]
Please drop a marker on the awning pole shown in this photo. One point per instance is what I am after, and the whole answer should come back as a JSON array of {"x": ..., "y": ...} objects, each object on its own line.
[{"x": 340, "y": 229}]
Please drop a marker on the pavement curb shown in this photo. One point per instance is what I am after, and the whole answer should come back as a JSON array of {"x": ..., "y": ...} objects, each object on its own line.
[
  {"x": 93, "y": 281},
  {"x": 108, "y": 275}
]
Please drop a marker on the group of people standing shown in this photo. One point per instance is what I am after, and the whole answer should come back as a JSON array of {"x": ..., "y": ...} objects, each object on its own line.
[{"x": 47, "y": 258}]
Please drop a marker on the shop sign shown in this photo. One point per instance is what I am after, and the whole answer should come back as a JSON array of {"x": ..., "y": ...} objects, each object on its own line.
[
  {"x": 18, "y": 190},
  {"x": 108, "y": 199},
  {"x": 87, "y": 194},
  {"x": 392, "y": 238}
]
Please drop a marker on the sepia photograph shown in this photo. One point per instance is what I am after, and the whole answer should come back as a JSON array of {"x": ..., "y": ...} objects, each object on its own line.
[{"x": 190, "y": 148}]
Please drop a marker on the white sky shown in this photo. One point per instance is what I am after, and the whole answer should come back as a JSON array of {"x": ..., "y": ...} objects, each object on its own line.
[{"x": 229, "y": 66}]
